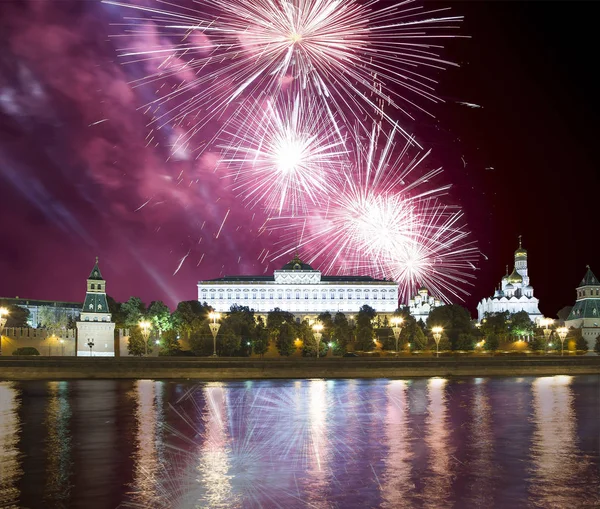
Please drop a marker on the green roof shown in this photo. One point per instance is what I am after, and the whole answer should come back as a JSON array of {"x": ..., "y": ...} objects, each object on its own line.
[
  {"x": 586, "y": 308},
  {"x": 95, "y": 303},
  {"x": 589, "y": 279},
  {"x": 96, "y": 275}
]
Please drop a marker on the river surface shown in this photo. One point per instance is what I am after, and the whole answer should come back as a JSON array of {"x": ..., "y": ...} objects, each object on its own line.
[{"x": 471, "y": 442}]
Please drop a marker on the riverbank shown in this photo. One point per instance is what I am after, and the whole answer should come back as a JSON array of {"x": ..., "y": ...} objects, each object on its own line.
[{"x": 57, "y": 368}]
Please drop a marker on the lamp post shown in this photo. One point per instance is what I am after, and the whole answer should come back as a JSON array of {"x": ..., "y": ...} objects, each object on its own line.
[
  {"x": 62, "y": 347},
  {"x": 3, "y": 319},
  {"x": 562, "y": 335},
  {"x": 145, "y": 326},
  {"x": 437, "y": 336},
  {"x": 317, "y": 328},
  {"x": 214, "y": 329},
  {"x": 547, "y": 331},
  {"x": 397, "y": 329},
  {"x": 90, "y": 344}
]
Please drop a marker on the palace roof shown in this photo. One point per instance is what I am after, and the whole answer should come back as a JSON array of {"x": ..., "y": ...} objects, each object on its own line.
[{"x": 589, "y": 279}]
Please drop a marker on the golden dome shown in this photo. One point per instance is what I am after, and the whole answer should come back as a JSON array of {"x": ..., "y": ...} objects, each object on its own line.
[{"x": 515, "y": 277}]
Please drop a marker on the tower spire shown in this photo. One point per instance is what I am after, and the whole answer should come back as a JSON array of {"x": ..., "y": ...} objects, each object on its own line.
[{"x": 520, "y": 245}]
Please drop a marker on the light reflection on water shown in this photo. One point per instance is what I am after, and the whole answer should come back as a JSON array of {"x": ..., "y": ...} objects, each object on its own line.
[{"x": 292, "y": 444}]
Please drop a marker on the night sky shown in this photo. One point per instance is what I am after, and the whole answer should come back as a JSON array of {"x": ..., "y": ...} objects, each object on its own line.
[{"x": 78, "y": 180}]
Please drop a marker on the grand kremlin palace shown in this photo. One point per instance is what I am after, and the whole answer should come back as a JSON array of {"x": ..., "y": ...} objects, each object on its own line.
[{"x": 302, "y": 290}]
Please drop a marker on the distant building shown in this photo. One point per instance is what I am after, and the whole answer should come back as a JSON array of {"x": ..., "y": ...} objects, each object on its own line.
[
  {"x": 585, "y": 314},
  {"x": 95, "y": 325},
  {"x": 514, "y": 293},
  {"x": 70, "y": 309},
  {"x": 300, "y": 289},
  {"x": 421, "y": 304}
]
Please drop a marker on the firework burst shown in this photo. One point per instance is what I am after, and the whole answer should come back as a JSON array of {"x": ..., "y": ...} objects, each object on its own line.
[
  {"x": 386, "y": 220},
  {"x": 357, "y": 57},
  {"x": 286, "y": 158}
]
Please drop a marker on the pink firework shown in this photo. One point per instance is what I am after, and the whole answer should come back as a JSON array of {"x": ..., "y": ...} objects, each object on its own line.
[
  {"x": 359, "y": 58},
  {"x": 285, "y": 158},
  {"x": 386, "y": 220}
]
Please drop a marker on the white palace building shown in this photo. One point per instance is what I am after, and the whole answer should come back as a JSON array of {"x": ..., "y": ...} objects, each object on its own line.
[
  {"x": 300, "y": 289},
  {"x": 514, "y": 293}
]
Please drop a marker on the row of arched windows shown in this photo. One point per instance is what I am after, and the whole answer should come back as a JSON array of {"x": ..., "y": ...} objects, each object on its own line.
[
  {"x": 93, "y": 286},
  {"x": 246, "y": 294}
]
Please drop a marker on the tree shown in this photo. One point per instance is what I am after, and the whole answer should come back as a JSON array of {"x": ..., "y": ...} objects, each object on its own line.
[
  {"x": 597, "y": 345},
  {"x": 17, "y": 316},
  {"x": 342, "y": 333},
  {"x": 136, "y": 342},
  {"x": 55, "y": 321},
  {"x": 454, "y": 319},
  {"x": 521, "y": 325},
  {"x": 285, "y": 339},
  {"x": 465, "y": 342},
  {"x": 492, "y": 342},
  {"x": 189, "y": 317},
  {"x": 169, "y": 344},
  {"x": 133, "y": 310},
  {"x": 364, "y": 328},
  {"x": 495, "y": 326},
  {"x": 580, "y": 342},
  {"x": 261, "y": 338},
  {"x": 160, "y": 317},
  {"x": 412, "y": 334},
  {"x": 238, "y": 328}
]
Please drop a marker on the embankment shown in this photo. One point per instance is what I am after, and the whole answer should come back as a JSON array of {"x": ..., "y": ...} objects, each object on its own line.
[{"x": 63, "y": 368}]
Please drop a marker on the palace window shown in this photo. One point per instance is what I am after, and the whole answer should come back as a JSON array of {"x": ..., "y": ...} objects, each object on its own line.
[
  {"x": 271, "y": 296},
  {"x": 93, "y": 286},
  {"x": 253, "y": 295},
  {"x": 297, "y": 295},
  {"x": 315, "y": 295},
  {"x": 306, "y": 295},
  {"x": 332, "y": 295},
  {"x": 229, "y": 295},
  {"x": 289, "y": 295}
]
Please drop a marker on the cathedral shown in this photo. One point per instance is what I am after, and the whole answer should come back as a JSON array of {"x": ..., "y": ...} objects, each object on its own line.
[{"x": 514, "y": 293}]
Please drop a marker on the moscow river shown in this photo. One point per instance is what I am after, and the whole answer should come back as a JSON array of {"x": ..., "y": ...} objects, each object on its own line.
[{"x": 464, "y": 442}]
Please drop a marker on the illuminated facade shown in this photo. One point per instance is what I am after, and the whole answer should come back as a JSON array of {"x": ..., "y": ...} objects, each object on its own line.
[
  {"x": 421, "y": 305},
  {"x": 300, "y": 289},
  {"x": 585, "y": 314},
  {"x": 514, "y": 293},
  {"x": 95, "y": 324}
]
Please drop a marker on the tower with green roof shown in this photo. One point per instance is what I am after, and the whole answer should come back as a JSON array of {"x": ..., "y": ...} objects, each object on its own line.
[
  {"x": 95, "y": 327},
  {"x": 585, "y": 314}
]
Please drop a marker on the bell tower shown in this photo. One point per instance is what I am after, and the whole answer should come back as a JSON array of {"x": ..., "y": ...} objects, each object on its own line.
[{"x": 95, "y": 330}]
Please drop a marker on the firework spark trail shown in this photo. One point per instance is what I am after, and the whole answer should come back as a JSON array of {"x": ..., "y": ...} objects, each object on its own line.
[
  {"x": 223, "y": 223},
  {"x": 285, "y": 159},
  {"x": 181, "y": 262},
  {"x": 386, "y": 220},
  {"x": 356, "y": 57}
]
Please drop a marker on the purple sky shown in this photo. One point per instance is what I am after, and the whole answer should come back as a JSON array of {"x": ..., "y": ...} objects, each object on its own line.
[{"x": 73, "y": 185}]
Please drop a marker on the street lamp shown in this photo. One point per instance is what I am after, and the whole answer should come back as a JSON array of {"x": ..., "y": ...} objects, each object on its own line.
[
  {"x": 145, "y": 326},
  {"x": 397, "y": 329},
  {"x": 3, "y": 319},
  {"x": 90, "y": 344},
  {"x": 562, "y": 334},
  {"x": 214, "y": 329},
  {"x": 547, "y": 331},
  {"x": 317, "y": 328},
  {"x": 437, "y": 336}
]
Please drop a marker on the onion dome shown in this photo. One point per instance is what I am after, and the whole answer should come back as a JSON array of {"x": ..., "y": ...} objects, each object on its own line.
[
  {"x": 509, "y": 287},
  {"x": 423, "y": 290},
  {"x": 515, "y": 277},
  {"x": 520, "y": 254}
]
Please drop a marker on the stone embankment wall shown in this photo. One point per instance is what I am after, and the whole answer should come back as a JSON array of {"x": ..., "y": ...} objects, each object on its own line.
[{"x": 224, "y": 369}]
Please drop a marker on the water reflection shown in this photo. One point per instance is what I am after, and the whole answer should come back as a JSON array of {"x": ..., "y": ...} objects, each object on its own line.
[
  {"x": 480, "y": 486},
  {"x": 437, "y": 486},
  {"x": 295, "y": 444},
  {"x": 397, "y": 484},
  {"x": 555, "y": 456},
  {"x": 10, "y": 466},
  {"x": 147, "y": 466},
  {"x": 58, "y": 445}
]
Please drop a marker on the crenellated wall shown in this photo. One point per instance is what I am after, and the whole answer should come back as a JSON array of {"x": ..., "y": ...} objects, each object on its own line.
[{"x": 46, "y": 342}]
